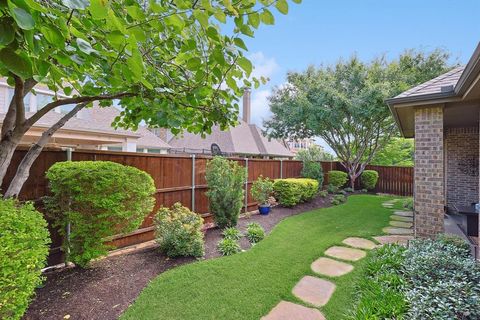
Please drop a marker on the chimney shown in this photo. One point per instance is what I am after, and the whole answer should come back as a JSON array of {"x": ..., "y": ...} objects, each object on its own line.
[{"x": 246, "y": 105}]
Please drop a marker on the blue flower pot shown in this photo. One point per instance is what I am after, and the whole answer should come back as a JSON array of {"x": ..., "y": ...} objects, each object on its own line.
[{"x": 264, "y": 209}]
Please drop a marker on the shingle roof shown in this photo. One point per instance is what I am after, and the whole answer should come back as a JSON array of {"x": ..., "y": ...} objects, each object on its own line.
[
  {"x": 242, "y": 139},
  {"x": 447, "y": 81}
]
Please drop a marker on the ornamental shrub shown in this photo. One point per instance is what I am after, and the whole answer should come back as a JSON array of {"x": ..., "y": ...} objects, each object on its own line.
[
  {"x": 228, "y": 246},
  {"x": 98, "y": 199},
  {"x": 312, "y": 170},
  {"x": 24, "y": 241},
  {"x": 262, "y": 189},
  {"x": 338, "y": 199},
  {"x": 369, "y": 179},
  {"x": 232, "y": 233},
  {"x": 290, "y": 192},
  {"x": 337, "y": 178},
  {"x": 179, "y": 231},
  {"x": 255, "y": 232},
  {"x": 225, "y": 193}
]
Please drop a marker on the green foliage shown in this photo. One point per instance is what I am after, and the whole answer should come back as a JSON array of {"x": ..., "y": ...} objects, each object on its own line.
[
  {"x": 98, "y": 199},
  {"x": 382, "y": 288},
  {"x": 323, "y": 193},
  {"x": 290, "y": 192},
  {"x": 369, "y": 179},
  {"x": 179, "y": 231},
  {"x": 444, "y": 283},
  {"x": 24, "y": 241},
  {"x": 314, "y": 153},
  {"x": 170, "y": 57},
  {"x": 232, "y": 233},
  {"x": 228, "y": 246},
  {"x": 337, "y": 178},
  {"x": 338, "y": 199},
  {"x": 456, "y": 241},
  {"x": 255, "y": 232},
  {"x": 397, "y": 152},
  {"x": 348, "y": 190},
  {"x": 225, "y": 193},
  {"x": 262, "y": 189},
  {"x": 312, "y": 170},
  {"x": 408, "y": 203},
  {"x": 332, "y": 189}
]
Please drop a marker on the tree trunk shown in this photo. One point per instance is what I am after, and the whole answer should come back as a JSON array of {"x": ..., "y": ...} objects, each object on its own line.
[
  {"x": 23, "y": 170},
  {"x": 353, "y": 177},
  {"x": 7, "y": 148}
]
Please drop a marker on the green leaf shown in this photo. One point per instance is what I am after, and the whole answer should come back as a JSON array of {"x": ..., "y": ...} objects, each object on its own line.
[
  {"x": 175, "y": 20},
  {"x": 53, "y": 36},
  {"x": 254, "y": 20},
  {"x": 239, "y": 43},
  {"x": 18, "y": 64},
  {"x": 267, "y": 17},
  {"x": 245, "y": 64},
  {"x": 76, "y": 4},
  {"x": 23, "y": 18},
  {"x": 98, "y": 9},
  {"x": 35, "y": 6},
  {"x": 297, "y": 1},
  {"x": 135, "y": 64},
  {"x": 201, "y": 17},
  {"x": 194, "y": 63},
  {"x": 282, "y": 6},
  {"x": 220, "y": 16},
  {"x": 7, "y": 32},
  {"x": 85, "y": 46},
  {"x": 135, "y": 12}
]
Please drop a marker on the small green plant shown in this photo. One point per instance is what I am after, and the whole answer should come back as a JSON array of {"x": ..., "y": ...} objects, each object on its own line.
[
  {"x": 24, "y": 241},
  {"x": 232, "y": 233},
  {"x": 262, "y": 189},
  {"x": 98, "y": 199},
  {"x": 179, "y": 231},
  {"x": 228, "y": 246},
  {"x": 338, "y": 199},
  {"x": 337, "y": 178},
  {"x": 290, "y": 192},
  {"x": 363, "y": 190},
  {"x": 456, "y": 241},
  {"x": 225, "y": 179},
  {"x": 312, "y": 170},
  {"x": 323, "y": 193},
  {"x": 408, "y": 203},
  {"x": 348, "y": 190},
  {"x": 332, "y": 189},
  {"x": 343, "y": 192},
  {"x": 255, "y": 232},
  {"x": 369, "y": 179}
]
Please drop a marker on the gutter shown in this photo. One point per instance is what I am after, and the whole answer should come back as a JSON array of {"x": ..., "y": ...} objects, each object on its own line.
[{"x": 470, "y": 73}]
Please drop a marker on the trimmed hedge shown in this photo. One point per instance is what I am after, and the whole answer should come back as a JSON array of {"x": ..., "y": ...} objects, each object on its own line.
[
  {"x": 337, "y": 178},
  {"x": 24, "y": 241},
  {"x": 290, "y": 192},
  {"x": 99, "y": 199},
  {"x": 369, "y": 179}
]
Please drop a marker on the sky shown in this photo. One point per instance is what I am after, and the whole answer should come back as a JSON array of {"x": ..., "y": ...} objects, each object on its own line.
[{"x": 319, "y": 32}]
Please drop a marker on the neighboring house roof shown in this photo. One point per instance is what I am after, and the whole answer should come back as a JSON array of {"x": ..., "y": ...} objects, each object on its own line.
[{"x": 243, "y": 139}]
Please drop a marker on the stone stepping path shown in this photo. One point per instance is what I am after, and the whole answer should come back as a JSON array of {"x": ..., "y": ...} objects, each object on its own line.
[
  {"x": 344, "y": 253},
  {"x": 288, "y": 311},
  {"x": 359, "y": 243},
  {"x": 398, "y": 231},
  {"x": 330, "y": 268},
  {"x": 400, "y": 218},
  {"x": 401, "y": 224},
  {"x": 398, "y": 239},
  {"x": 403, "y": 213},
  {"x": 314, "y": 291}
]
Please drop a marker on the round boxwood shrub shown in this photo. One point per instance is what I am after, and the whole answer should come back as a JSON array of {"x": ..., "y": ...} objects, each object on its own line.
[
  {"x": 292, "y": 191},
  {"x": 179, "y": 231},
  {"x": 99, "y": 199},
  {"x": 312, "y": 170},
  {"x": 337, "y": 178},
  {"x": 369, "y": 179},
  {"x": 24, "y": 241},
  {"x": 225, "y": 179}
]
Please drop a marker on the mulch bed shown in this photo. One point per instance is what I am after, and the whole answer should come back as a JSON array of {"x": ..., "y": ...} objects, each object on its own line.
[{"x": 112, "y": 284}]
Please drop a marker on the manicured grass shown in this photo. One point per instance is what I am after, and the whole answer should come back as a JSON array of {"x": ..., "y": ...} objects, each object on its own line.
[{"x": 247, "y": 285}]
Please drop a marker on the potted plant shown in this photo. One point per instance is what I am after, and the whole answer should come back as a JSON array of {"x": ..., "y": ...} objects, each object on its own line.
[{"x": 262, "y": 188}]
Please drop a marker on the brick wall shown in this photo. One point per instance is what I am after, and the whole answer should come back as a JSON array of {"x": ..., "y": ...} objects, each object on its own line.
[
  {"x": 428, "y": 174},
  {"x": 461, "y": 149}
]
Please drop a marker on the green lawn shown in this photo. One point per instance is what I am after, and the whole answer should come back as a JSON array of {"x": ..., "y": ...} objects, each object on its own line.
[{"x": 249, "y": 284}]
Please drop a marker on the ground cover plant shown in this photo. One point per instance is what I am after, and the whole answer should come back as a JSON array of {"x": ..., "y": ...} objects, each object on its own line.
[
  {"x": 228, "y": 246},
  {"x": 98, "y": 199},
  {"x": 179, "y": 232},
  {"x": 255, "y": 232},
  {"x": 249, "y": 285},
  {"x": 24, "y": 240},
  {"x": 232, "y": 233}
]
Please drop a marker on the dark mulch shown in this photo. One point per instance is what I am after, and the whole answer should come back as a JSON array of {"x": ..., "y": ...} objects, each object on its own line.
[{"x": 112, "y": 284}]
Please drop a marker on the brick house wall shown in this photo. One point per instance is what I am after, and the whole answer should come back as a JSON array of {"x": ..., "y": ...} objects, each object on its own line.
[
  {"x": 429, "y": 171},
  {"x": 461, "y": 153}
]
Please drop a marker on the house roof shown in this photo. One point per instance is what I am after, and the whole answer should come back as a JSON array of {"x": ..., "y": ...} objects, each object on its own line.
[{"x": 242, "y": 139}]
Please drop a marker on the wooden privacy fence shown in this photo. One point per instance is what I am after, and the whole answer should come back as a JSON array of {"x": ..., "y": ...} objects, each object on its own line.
[{"x": 181, "y": 178}]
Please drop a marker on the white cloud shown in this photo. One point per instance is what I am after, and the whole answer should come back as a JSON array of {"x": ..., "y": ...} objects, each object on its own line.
[
  {"x": 259, "y": 105},
  {"x": 263, "y": 66}
]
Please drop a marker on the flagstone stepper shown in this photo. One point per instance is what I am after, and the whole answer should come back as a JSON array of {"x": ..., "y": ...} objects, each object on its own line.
[
  {"x": 399, "y": 231},
  {"x": 398, "y": 239},
  {"x": 330, "y": 268},
  {"x": 314, "y": 290},
  {"x": 403, "y": 213},
  {"x": 288, "y": 311},
  {"x": 401, "y": 224},
  {"x": 400, "y": 218},
  {"x": 345, "y": 253},
  {"x": 359, "y": 243}
]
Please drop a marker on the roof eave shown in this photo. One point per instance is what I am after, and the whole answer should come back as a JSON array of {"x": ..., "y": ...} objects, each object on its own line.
[
  {"x": 469, "y": 74},
  {"x": 414, "y": 100}
]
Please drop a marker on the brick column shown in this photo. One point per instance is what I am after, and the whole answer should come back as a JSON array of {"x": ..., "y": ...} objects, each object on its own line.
[{"x": 429, "y": 171}]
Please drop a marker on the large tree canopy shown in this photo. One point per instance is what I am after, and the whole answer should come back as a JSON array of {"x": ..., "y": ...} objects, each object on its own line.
[
  {"x": 177, "y": 64},
  {"x": 345, "y": 104}
]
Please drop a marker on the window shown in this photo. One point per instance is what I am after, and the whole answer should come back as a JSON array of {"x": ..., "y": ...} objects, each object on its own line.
[
  {"x": 154, "y": 150},
  {"x": 26, "y": 100},
  {"x": 66, "y": 108},
  {"x": 114, "y": 148},
  {"x": 141, "y": 150},
  {"x": 43, "y": 100}
]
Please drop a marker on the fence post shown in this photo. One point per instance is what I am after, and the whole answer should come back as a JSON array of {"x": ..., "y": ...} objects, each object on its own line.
[
  {"x": 281, "y": 168},
  {"x": 67, "y": 255},
  {"x": 193, "y": 182},
  {"x": 246, "y": 185}
]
